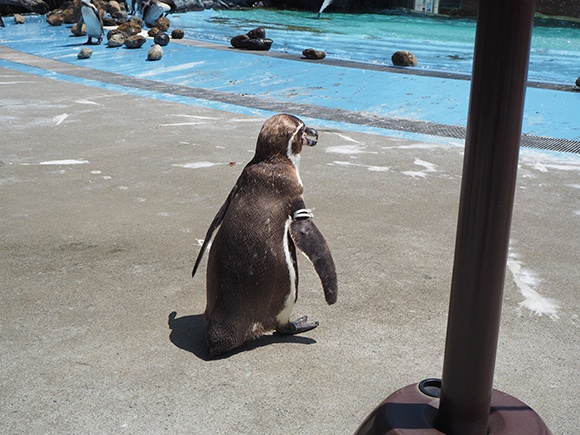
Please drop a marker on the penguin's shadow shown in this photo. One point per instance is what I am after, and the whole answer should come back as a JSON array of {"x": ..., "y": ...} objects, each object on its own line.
[
  {"x": 80, "y": 44},
  {"x": 188, "y": 333}
]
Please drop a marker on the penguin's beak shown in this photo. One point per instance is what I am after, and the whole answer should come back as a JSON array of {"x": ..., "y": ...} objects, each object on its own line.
[{"x": 310, "y": 136}]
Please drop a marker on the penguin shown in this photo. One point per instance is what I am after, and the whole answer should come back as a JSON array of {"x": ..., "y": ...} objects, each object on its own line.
[
  {"x": 93, "y": 21},
  {"x": 153, "y": 9},
  {"x": 252, "y": 273}
]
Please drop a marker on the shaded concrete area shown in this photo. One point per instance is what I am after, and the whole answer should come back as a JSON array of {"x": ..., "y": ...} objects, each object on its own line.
[{"x": 103, "y": 198}]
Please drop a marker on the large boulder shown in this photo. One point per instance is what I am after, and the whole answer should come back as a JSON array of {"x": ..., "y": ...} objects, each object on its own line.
[
  {"x": 255, "y": 39},
  {"x": 38, "y": 6},
  {"x": 135, "y": 41},
  {"x": 130, "y": 28},
  {"x": 55, "y": 19}
]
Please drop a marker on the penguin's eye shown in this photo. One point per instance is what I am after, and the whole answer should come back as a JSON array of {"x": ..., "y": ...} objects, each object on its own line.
[{"x": 309, "y": 136}]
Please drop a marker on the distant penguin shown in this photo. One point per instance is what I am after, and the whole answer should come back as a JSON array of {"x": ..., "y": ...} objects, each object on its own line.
[
  {"x": 131, "y": 6},
  {"x": 252, "y": 274},
  {"x": 153, "y": 9},
  {"x": 93, "y": 21}
]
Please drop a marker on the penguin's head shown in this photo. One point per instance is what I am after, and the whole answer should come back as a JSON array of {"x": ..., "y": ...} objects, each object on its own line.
[
  {"x": 284, "y": 135},
  {"x": 89, "y": 4}
]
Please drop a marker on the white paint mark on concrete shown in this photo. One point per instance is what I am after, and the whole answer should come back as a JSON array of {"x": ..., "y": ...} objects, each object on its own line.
[
  {"x": 378, "y": 168},
  {"x": 66, "y": 162},
  {"x": 346, "y": 149},
  {"x": 429, "y": 167},
  {"x": 347, "y": 138},
  {"x": 571, "y": 167},
  {"x": 181, "y": 124},
  {"x": 88, "y": 102},
  {"x": 527, "y": 280},
  {"x": 540, "y": 167},
  {"x": 418, "y": 146},
  {"x": 15, "y": 83},
  {"x": 60, "y": 118},
  {"x": 197, "y": 117},
  {"x": 197, "y": 165},
  {"x": 368, "y": 167}
]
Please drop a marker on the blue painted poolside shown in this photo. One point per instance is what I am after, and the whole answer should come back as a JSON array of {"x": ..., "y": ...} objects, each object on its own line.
[{"x": 548, "y": 112}]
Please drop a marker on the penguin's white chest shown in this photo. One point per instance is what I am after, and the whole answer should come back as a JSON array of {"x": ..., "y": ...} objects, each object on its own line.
[
  {"x": 91, "y": 21},
  {"x": 284, "y": 316},
  {"x": 155, "y": 11}
]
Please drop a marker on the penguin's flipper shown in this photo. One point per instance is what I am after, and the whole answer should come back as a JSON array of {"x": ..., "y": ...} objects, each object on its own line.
[
  {"x": 312, "y": 243},
  {"x": 297, "y": 326},
  {"x": 217, "y": 220}
]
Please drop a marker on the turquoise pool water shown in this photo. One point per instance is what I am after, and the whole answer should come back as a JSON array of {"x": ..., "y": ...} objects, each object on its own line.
[
  {"x": 246, "y": 82},
  {"x": 439, "y": 43}
]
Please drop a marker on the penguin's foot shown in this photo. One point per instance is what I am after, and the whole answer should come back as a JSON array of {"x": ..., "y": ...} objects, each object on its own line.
[{"x": 297, "y": 326}]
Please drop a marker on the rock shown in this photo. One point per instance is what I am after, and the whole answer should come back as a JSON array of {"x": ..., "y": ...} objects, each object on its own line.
[
  {"x": 404, "y": 58},
  {"x": 18, "y": 19},
  {"x": 155, "y": 52},
  {"x": 153, "y": 31},
  {"x": 79, "y": 30},
  {"x": 136, "y": 20},
  {"x": 177, "y": 34},
  {"x": 257, "y": 44},
  {"x": 55, "y": 19},
  {"x": 135, "y": 41},
  {"x": 238, "y": 41},
  {"x": 161, "y": 38},
  {"x": 115, "y": 31},
  {"x": 69, "y": 16},
  {"x": 113, "y": 6},
  {"x": 257, "y": 33},
  {"x": 120, "y": 16},
  {"x": 38, "y": 6},
  {"x": 162, "y": 24},
  {"x": 116, "y": 40},
  {"x": 109, "y": 22},
  {"x": 578, "y": 82},
  {"x": 253, "y": 40},
  {"x": 311, "y": 53},
  {"x": 130, "y": 28},
  {"x": 85, "y": 53}
]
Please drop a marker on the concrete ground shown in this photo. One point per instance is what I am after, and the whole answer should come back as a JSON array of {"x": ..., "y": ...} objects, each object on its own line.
[{"x": 103, "y": 197}]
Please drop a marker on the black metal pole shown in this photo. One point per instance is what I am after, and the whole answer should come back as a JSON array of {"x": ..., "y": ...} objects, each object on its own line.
[
  {"x": 464, "y": 402},
  {"x": 500, "y": 67}
]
